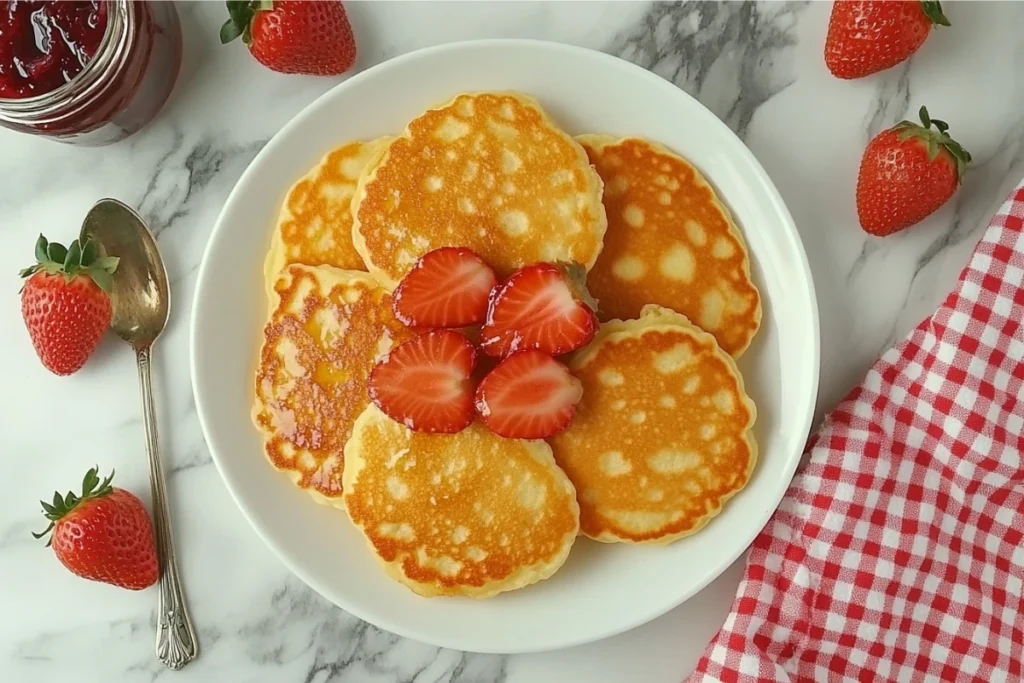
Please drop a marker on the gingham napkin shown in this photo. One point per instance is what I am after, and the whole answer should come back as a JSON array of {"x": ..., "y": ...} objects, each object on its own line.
[{"x": 898, "y": 551}]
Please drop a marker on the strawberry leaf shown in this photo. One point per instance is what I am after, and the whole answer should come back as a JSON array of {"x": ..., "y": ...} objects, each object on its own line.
[
  {"x": 230, "y": 31},
  {"x": 935, "y": 140},
  {"x": 73, "y": 258},
  {"x": 925, "y": 120},
  {"x": 89, "y": 482},
  {"x": 88, "y": 253},
  {"x": 241, "y": 13},
  {"x": 107, "y": 263},
  {"x": 41, "y": 245},
  {"x": 91, "y": 488},
  {"x": 56, "y": 252},
  {"x": 43, "y": 532},
  {"x": 933, "y": 10},
  {"x": 105, "y": 487},
  {"x": 103, "y": 279}
]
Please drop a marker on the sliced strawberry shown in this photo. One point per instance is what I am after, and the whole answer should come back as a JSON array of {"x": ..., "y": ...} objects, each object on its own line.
[
  {"x": 529, "y": 395},
  {"x": 448, "y": 287},
  {"x": 425, "y": 383},
  {"x": 543, "y": 306}
]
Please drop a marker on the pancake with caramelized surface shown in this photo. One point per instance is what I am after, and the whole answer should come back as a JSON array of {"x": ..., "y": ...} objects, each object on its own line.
[
  {"x": 468, "y": 514},
  {"x": 327, "y": 327},
  {"x": 671, "y": 242},
  {"x": 315, "y": 224},
  {"x": 662, "y": 437},
  {"x": 487, "y": 171}
]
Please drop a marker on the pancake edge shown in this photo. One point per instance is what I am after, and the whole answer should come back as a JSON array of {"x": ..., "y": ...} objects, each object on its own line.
[
  {"x": 655, "y": 317},
  {"x": 599, "y": 141},
  {"x": 276, "y": 259},
  {"x": 595, "y": 185},
  {"x": 257, "y": 407},
  {"x": 521, "y": 578}
]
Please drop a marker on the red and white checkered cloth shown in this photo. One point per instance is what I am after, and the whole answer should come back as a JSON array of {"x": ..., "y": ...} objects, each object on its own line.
[{"x": 898, "y": 551}]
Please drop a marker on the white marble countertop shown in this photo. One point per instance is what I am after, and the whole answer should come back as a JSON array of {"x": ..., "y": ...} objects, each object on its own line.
[{"x": 758, "y": 66}]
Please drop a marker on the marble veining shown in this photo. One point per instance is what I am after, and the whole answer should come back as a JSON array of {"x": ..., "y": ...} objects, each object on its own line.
[
  {"x": 730, "y": 55},
  {"x": 758, "y": 66}
]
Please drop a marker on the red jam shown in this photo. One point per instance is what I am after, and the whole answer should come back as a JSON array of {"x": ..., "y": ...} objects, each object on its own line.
[
  {"x": 44, "y": 45},
  {"x": 86, "y": 73}
]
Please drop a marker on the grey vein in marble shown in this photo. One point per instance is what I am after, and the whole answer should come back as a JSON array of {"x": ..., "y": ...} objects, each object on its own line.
[
  {"x": 337, "y": 647},
  {"x": 182, "y": 173},
  {"x": 728, "y": 55}
]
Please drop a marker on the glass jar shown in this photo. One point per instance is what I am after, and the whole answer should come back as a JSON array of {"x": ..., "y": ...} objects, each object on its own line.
[{"x": 119, "y": 90}]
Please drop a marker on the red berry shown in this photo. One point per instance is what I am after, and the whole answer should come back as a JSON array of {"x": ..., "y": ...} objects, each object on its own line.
[
  {"x": 65, "y": 304},
  {"x": 542, "y": 306},
  {"x": 425, "y": 383},
  {"x": 103, "y": 535},
  {"x": 529, "y": 395},
  {"x": 294, "y": 36},
  {"x": 448, "y": 287},
  {"x": 866, "y": 36},
  {"x": 906, "y": 174}
]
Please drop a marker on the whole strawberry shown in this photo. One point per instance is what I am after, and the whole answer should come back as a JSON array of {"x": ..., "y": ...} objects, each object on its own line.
[
  {"x": 294, "y": 36},
  {"x": 866, "y": 36},
  {"x": 908, "y": 172},
  {"x": 65, "y": 302},
  {"x": 103, "y": 535}
]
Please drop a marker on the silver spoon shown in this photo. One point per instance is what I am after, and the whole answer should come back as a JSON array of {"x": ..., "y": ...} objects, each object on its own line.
[{"x": 141, "y": 302}]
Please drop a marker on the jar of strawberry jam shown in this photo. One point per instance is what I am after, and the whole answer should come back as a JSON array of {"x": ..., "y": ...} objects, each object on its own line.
[{"x": 88, "y": 72}]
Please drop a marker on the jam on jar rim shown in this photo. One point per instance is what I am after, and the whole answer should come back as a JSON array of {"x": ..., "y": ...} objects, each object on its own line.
[
  {"x": 120, "y": 90},
  {"x": 115, "y": 37},
  {"x": 45, "y": 44}
]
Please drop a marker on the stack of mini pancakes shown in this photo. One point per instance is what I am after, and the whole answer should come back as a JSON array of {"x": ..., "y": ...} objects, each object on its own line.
[{"x": 662, "y": 437}]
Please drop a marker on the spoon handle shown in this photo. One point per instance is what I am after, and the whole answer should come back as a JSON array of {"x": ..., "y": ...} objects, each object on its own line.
[{"x": 176, "y": 643}]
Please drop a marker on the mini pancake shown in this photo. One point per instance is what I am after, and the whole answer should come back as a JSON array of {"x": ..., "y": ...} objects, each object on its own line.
[
  {"x": 468, "y": 514},
  {"x": 326, "y": 329},
  {"x": 662, "y": 437},
  {"x": 315, "y": 224},
  {"x": 671, "y": 242},
  {"x": 487, "y": 171}
]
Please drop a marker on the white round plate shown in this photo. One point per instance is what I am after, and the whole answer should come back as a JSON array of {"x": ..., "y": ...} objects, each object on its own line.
[{"x": 602, "y": 589}]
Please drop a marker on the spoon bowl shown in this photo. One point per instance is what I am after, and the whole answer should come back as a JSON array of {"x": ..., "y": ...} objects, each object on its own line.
[
  {"x": 141, "y": 300},
  {"x": 141, "y": 297}
]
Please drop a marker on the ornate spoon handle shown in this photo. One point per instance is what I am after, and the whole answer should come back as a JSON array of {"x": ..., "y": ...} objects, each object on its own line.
[{"x": 176, "y": 643}]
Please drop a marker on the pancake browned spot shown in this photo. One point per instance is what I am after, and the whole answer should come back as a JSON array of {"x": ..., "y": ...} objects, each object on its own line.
[
  {"x": 315, "y": 224},
  {"x": 662, "y": 437},
  {"x": 671, "y": 242},
  {"x": 468, "y": 514},
  {"x": 488, "y": 171},
  {"x": 326, "y": 329}
]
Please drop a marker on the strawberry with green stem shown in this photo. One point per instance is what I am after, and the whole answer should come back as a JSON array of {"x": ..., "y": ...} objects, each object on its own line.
[
  {"x": 867, "y": 36},
  {"x": 906, "y": 173},
  {"x": 293, "y": 36},
  {"x": 65, "y": 302},
  {"x": 104, "y": 534}
]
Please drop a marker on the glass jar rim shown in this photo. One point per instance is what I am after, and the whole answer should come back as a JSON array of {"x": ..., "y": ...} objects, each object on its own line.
[{"x": 119, "y": 13}]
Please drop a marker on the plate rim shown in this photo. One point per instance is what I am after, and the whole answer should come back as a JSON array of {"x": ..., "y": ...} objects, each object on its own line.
[{"x": 813, "y": 329}]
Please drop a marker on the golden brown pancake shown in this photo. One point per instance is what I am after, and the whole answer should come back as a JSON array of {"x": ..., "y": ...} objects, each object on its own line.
[
  {"x": 315, "y": 224},
  {"x": 488, "y": 171},
  {"x": 326, "y": 329},
  {"x": 662, "y": 436},
  {"x": 671, "y": 242},
  {"x": 468, "y": 514}
]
